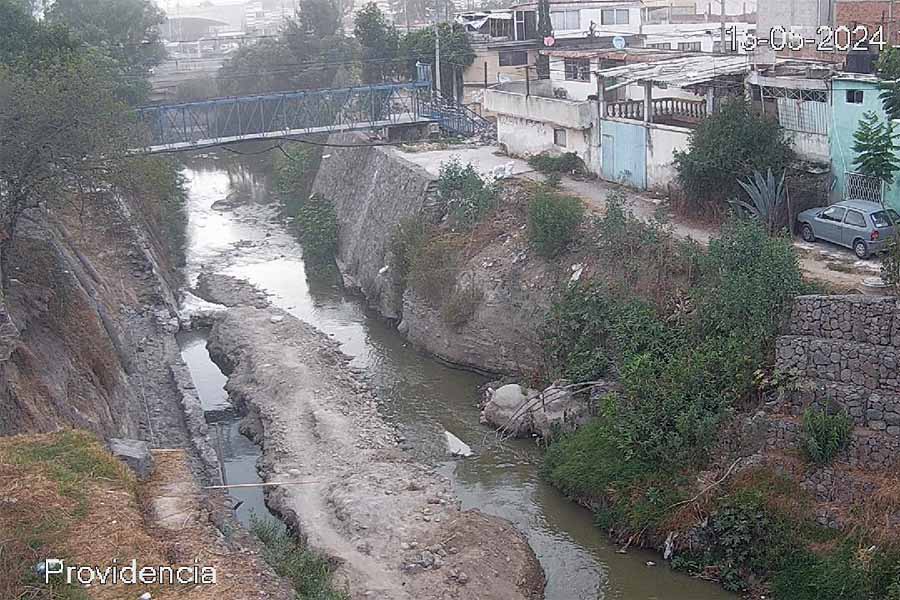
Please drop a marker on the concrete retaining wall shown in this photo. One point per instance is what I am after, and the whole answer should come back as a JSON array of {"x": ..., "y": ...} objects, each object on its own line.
[{"x": 373, "y": 190}]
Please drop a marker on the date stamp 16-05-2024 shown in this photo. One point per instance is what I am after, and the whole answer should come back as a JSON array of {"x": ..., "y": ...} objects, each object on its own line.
[{"x": 826, "y": 39}]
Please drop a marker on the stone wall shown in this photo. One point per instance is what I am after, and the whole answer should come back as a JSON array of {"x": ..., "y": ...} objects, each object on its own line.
[
  {"x": 844, "y": 352},
  {"x": 373, "y": 189}
]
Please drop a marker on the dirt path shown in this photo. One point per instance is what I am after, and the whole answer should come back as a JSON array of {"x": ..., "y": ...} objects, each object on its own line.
[{"x": 393, "y": 524}]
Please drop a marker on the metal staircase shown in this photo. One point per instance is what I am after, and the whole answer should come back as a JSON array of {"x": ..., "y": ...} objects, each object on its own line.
[{"x": 456, "y": 118}]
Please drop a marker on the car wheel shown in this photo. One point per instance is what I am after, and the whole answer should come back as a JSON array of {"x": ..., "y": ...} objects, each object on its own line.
[
  {"x": 860, "y": 249},
  {"x": 806, "y": 232}
]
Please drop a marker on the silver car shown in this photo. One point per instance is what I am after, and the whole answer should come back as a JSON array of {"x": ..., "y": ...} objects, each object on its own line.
[{"x": 863, "y": 226}]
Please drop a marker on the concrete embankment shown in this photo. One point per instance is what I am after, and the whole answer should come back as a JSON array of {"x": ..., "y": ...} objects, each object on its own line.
[
  {"x": 393, "y": 524},
  {"x": 376, "y": 188}
]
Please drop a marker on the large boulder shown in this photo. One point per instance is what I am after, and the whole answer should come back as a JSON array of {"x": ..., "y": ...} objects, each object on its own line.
[
  {"x": 558, "y": 410},
  {"x": 505, "y": 409}
]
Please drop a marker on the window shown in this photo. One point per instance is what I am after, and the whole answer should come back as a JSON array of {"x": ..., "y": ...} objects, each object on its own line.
[
  {"x": 885, "y": 218},
  {"x": 565, "y": 20},
  {"x": 511, "y": 58},
  {"x": 689, "y": 46},
  {"x": 614, "y": 16},
  {"x": 854, "y": 96},
  {"x": 835, "y": 213},
  {"x": 578, "y": 69},
  {"x": 559, "y": 137},
  {"x": 855, "y": 218},
  {"x": 660, "y": 46}
]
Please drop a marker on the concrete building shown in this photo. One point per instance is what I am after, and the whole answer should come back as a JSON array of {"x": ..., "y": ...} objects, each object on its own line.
[
  {"x": 798, "y": 95},
  {"x": 574, "y": 19},
  {"x": 853, "y": 95},
  {"x": 624, "y": 121}
]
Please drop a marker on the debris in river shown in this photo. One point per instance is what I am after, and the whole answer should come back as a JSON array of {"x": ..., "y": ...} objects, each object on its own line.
[{"x": 456, "y": 446}]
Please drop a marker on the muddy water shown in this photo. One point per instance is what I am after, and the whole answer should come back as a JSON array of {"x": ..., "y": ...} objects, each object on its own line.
[{"x": 424, "y": 397}]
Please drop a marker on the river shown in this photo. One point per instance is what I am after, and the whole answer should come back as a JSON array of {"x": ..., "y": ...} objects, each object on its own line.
[{"x": 422, "y": 396}]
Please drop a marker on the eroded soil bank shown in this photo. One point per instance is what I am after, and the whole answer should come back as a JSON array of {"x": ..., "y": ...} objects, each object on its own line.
[{"x": 389, "y": 521}]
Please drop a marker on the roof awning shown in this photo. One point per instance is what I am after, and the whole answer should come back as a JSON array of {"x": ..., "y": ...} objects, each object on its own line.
[{"x": 679, "y": 72}]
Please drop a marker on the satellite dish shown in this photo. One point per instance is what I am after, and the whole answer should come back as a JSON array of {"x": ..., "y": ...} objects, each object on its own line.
[
  {"x": 619, "y": 42},
  {"x": 549, "y": 41}
]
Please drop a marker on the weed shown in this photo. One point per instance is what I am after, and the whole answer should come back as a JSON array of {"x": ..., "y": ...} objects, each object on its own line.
[
  {"x": 308, "y": 572},
  {"x": 463, "y": 194},
  {"x": 317, "y": 224},
  {"x": 459, "y": 308},
  {"x": 436, "y": 267},
  {"x": 406, "y": 242},
  {"x": 553, "y": 221},
  {"x": 568, "y": 163},
  {"x": 295, "y": 170},
  {"x": 825, "y": 435}
]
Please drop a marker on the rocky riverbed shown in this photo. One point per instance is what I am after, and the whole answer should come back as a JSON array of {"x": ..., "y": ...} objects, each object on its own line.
[{"x": 393, "y": 524}]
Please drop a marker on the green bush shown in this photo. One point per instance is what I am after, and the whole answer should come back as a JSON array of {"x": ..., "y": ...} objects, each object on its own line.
[
  {"x": 681, "y": 377},
  {"x": 406, "y": 242},
  {"x": 436, "y": 266},
  {"x": 317, "y": 223},
  {"x": 825, "y": 435},
  {"x": 727, "y": 147},
  {"x": 308, "y": 572},
  {"x": 568, "y": 163},
  {"x": 553, "y": 221},
  {"x": 463, "y": 194},
  {"x": 295, "y": 170}
]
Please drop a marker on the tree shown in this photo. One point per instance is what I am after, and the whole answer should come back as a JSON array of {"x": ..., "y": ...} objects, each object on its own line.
[
  {"x": 27, "y": 42},
  {"x": 727, "y": 147},
  {"x": 888, "y": 67},
  {"x": 380, "y": 44},
  {"x": 456, "y": 51},
  {"x": 310, "y": 53},
  {"x": 876, "y": 151},
  {"x": 127, "y": 31},
  {"x": 545, "y": 30}
]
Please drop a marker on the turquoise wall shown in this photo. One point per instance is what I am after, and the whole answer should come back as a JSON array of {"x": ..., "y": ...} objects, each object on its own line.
[
  {"x": 623, "y": 153},
  {"x": 845, "y": 120}
]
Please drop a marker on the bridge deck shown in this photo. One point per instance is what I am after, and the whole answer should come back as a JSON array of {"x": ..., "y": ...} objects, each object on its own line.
[{"x": 234, "y": 139}]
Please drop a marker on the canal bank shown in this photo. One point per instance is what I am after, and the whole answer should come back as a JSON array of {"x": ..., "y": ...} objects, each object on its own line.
[{"x": 421, "y": 396}]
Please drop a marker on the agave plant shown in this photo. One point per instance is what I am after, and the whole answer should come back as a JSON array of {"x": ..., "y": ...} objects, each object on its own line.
[{"x": 766, "y": 198}]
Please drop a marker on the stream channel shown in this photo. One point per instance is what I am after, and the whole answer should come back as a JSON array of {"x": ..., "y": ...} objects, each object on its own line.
[{"x": 422, "y": 396}]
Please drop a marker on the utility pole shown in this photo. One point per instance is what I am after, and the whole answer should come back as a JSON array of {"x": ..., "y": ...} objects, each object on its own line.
[
  {"x": 722, "y": 31},
  {"x": 437, "y": 57}
]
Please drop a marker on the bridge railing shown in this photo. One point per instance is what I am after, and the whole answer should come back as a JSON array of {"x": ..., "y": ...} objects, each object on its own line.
[{"x": 219, "y": 120}]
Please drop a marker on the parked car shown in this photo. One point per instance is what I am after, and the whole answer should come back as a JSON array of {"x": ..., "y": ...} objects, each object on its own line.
[{"x": 861, "y": 225}]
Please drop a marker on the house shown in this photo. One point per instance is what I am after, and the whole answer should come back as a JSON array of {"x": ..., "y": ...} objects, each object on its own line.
[
  {"x": 853, "y": 95},
  {"x": 585, "y": 19},
  {"x": 798, "y": 95},
  {"x": 623, "y": 118},
  {"x": 498, "y": 54}
]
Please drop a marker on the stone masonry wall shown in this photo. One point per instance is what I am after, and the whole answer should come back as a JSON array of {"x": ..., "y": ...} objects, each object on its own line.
[
  {"x": 844, "y": 350},
  {"x": 373, "y": 190}
]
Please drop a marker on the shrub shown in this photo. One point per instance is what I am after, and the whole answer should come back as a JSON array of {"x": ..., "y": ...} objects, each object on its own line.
[
  {"x": 726, "y": 147},
  {"x": 435, "y": 268},
  {"x": 317, "y": 223},
  {"x": 406, "y": 242},
  {"x": 553, "y": 221},
  {"x": 568, "y": 163},
  {"x": 461, "y": 305},
  {"x": 308, "y": 572},
  {"x": 464, "y": 196},
  {"x": 825, "y": 435},
  {"x": 890, "y": 264},
  {"x": 295, "y": 170},
  {"x": 680, "y": 377}
]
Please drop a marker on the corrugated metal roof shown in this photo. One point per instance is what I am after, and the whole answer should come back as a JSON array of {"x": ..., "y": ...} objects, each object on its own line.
[{"x": 679, "y": 72}]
